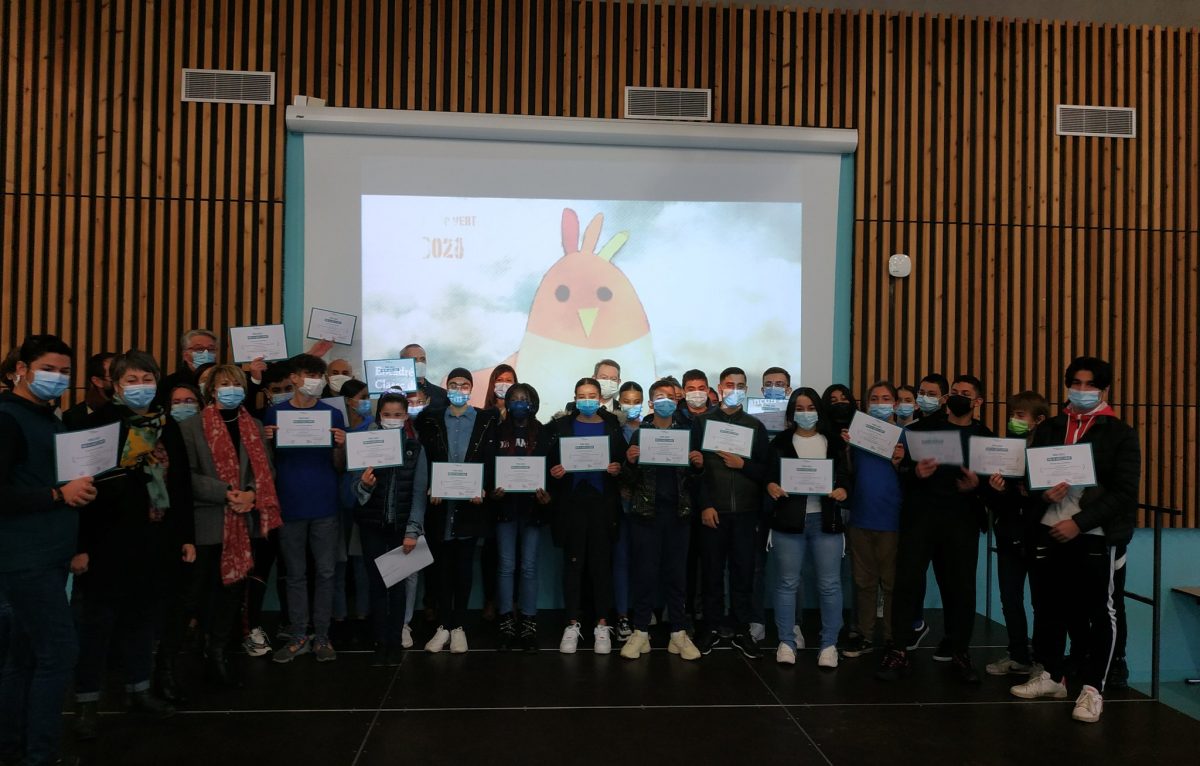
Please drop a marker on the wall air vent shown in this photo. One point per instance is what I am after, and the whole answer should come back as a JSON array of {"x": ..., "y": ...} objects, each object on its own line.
[
  {"x": 691, "y": 104},
  {"x": 224, "y": 86},
  {"x": 1101, "y": 121}
]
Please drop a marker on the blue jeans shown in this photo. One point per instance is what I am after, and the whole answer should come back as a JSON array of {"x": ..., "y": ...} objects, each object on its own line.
[
  {"x": 295, "y": 539},
  {"x": 410, "y": 595},
  {"x": 42, "y": 648},
  {"x": 621, "y": 564},
  {"x": 790, "y": 551},
  {"x": 507, "y": 534}
]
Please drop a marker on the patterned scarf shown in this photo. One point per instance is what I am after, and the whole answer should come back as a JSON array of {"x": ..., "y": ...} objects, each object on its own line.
[
  {"x": 236, "y": 558},
  {"x": 143, "y": 452}
]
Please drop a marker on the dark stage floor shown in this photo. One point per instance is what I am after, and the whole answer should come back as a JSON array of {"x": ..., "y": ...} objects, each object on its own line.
[{"x": 499, "y": 708}]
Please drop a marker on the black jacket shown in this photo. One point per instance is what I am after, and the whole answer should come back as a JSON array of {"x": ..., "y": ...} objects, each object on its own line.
[
  {"x": 1112, "y": 505},
  {"x": 723, "y": 488},
  {"x": 642, "y": 479},
  {"x": 470, "y": 519},
  {"x": 522, "y": 505},
  {"x": 562, "y": 490},
  {"x": 788, "y": 514},
  {"x": 940, "y": 490}
]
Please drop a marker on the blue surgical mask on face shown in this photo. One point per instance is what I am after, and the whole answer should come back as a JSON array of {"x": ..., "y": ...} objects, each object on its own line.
[
  {"x": 203, "y": 357},
  {"x": 1083, "y": 400},
  {"x": 183, "y": 411},
  {"x": 905, "y": 410},
  {"x": 363, "y": 407},
  {"x": 929, "y": 404},
  {"x": 139, "y": 397},
  {"x": 520, "y": 409},
  {"x": 632, "y": 411},
  {"x": 281, "y": 397},
  {"x": 734, "y": 397},
  {"x": 588, "y": 407},
  {"x": 806, "y": 420},
  {"x": 881, "y": 411},
  {"x": 47, "y": 385},
  {"x": 415, "y": 409},
  {"x": 458, "y": 398},
  {"x": 772, "y": 392},
  {"x": 664, "y": 407},
  {"x": 230, "y": 397}
]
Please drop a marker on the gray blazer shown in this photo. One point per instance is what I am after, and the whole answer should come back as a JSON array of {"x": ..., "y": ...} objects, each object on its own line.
[{"x": 208, "y": 491}]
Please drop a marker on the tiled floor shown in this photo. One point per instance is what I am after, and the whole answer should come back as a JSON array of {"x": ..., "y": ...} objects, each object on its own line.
[{"x": 493, "y": 708}]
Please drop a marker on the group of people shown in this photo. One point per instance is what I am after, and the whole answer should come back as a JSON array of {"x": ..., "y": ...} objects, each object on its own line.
[{"x": 178, "y": 543}]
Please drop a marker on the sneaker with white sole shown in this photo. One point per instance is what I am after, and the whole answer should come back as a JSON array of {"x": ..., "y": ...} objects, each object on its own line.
[
  {"x": 799, "y": 635},
  {"x": 920, "y": 633},
  {"x": 624, "y": 629},
  {"x": 785, "y": 655},
  {"x": 1041, "y": 685},
  {"x": 256, "y": 643},
  {"x": 828, "y": 658},
  {"x": 637, "y": 645},
  {"x": 440, "y": 640},
  {"x": 458, "y": 641},
  {"x": 758, "y": 631},
  {"x": 406, "y": 638},
  {"x": 1006, "y": 665},
  {"x": 570, "y": 639},
  {"x": 1088, "y": 705},
  {"x": 602, "y": 639},
  {"x": 681, "y": 644}
]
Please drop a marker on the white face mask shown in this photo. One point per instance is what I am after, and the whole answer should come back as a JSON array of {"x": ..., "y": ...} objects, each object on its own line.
[
  {"x": 312, "y": 387},
  {"x": 391, "y": 422},
  {"x": 608, "y": 389},
  {"x": 337, "y": 381},
  {"x": 696, "y": 399},
  {"x": 420, "y": 370},
  {"x": 500, "y": 389}
]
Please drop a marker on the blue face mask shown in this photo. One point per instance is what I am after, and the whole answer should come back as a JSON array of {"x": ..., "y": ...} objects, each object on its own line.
[
  {"x": 520, "y": 409},
  {"x": 182, "y": 412},
  {"x": 632, "y": 411},
  {"x": 772, "y": 392},
  {"x": 200, "y": 358},
  {"x": 458, "y": 398},
  {"x": 806, "y": 420},
  {"x": 281, "y": 397},
  {"x": 1083, "y": 401},
  {"x": 230, "y": 397},
  {"x": 363, "y": 407},
  {"x": 734, "y": 397},
  {"x": 47, "y": 385},
  {"x": 881, "y": 411},
  {"x": 905, "y": 410},
  {"x": 140, "y": 396},
  {"x": 929, "y": 404},
  {"x": 588, "y": 407},
  {"x": 664, "y": 407}
]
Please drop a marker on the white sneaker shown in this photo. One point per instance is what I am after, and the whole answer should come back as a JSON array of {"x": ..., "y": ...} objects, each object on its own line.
[
  {"x": 1089, "y": 705},
  {"x": 681, "y": 644},
  {"x": 758, "y": 631},
  {"x": 458, "y": 641},
  {"x": 828, "y": 658},
  {"x": 1006, "y": 665},
  {"x": 1041, "y": 685},
  {"x": 570, "y": 639},
  {"x": 785, "y": 655},
  {"x": 637, "y": 645},
  {"x": 440, "y": 640},
  {"x": 799, "y": 634},
  {"x": 257, "y": 644},
  {"x": 406, "y": 638},
  {"x": 602, "y": 638}
]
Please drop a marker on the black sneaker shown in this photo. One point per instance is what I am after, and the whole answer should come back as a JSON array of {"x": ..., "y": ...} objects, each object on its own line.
[
  {"x": 148, "y": 705},
  {"x": 894, "y": 667},
  {"x": 508, "y": 633},
  {"x": 745, "y": 643},
  {"x": 856, "y": 646},
  {"x": 624, "y": 629},
  {"x": 709, "y": 641},
  {"x": 1118, "y": 675},
  {"x": 529, "y": 634},
  {"x": 943, "y": 652},
  {"x": 963, "y": 670},
  {"x": 919, "y": 635}
]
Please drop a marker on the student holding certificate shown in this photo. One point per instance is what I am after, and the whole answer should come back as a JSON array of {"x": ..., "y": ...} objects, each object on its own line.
[
  {"x": 520, "y": 517},
  {"x": 1072, "y": 572},
  {"x": 940, "y": 524},
  {"x": 661, "y": 507},
  {"x": 459, "y": 434},
  {"x": 808, "y": 524},
  {"x": 587, "y": 506},
  {"x": 38, "y": 529}
]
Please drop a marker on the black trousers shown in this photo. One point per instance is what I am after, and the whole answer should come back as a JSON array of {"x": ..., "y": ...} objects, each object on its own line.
[
  {"x": 219, "y": 604},
  {"x": 949, "y": 539},
  {"x": 587, "y": 548},
  {"x": 1012, "y": 567},
  {"x": 660, "y": 546},
  {"x": 1072, "y": 585},
  {"x": 387, "y": 604},
  {"x": 265, "y": 551},
  {"x": 732, "y": 543},
  {"x": 455, "y": 564}
]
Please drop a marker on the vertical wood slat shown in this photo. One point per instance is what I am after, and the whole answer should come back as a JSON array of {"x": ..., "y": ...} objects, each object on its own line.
[{"x": 148, "y": 216}]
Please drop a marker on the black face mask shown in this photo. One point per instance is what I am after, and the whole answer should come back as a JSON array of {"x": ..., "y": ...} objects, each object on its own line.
[
  {"x": 841, "y": 413},
  {"x": 958, "y": 405}
]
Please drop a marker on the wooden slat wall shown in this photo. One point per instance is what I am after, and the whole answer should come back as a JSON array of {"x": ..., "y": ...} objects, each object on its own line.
[{"x": 129, "y": 216}]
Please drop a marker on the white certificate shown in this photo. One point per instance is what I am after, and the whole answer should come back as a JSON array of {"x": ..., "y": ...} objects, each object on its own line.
[
  {"x": 396, "y": 565},
  {"x": 264, "y": 341},
  {"x": 339, "y": 404},
  {"x": 726, "y": 437},
  {"x": 374, "y": 449},
  {"x": 874, "y": 435},
  {"x": 457, "y": 481},
  {"x": 330, "y": 325},
  {"x": 304, "y": 428},
  {"x": 664, "y": 446},
  {"x": 800, "y": 476},
  {"x": 383, "y": 375},
  {"x": 520, "y": 473},
  {"x": 1050, "y": 466},
  {"x": 87, "y": 453},
  {"x": 1003, "y": 456},
  {"x": 943, "y": 446},
  {"x": 770, "y": 412},
  {"x": 584, "y": 453}
]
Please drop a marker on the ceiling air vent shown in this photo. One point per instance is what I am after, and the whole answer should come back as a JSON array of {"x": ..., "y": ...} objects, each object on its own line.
[
  {"x": 224, "y": 86},
  {"x": 1102, "y": 121},
  {"x": 693, "y": 104}
]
